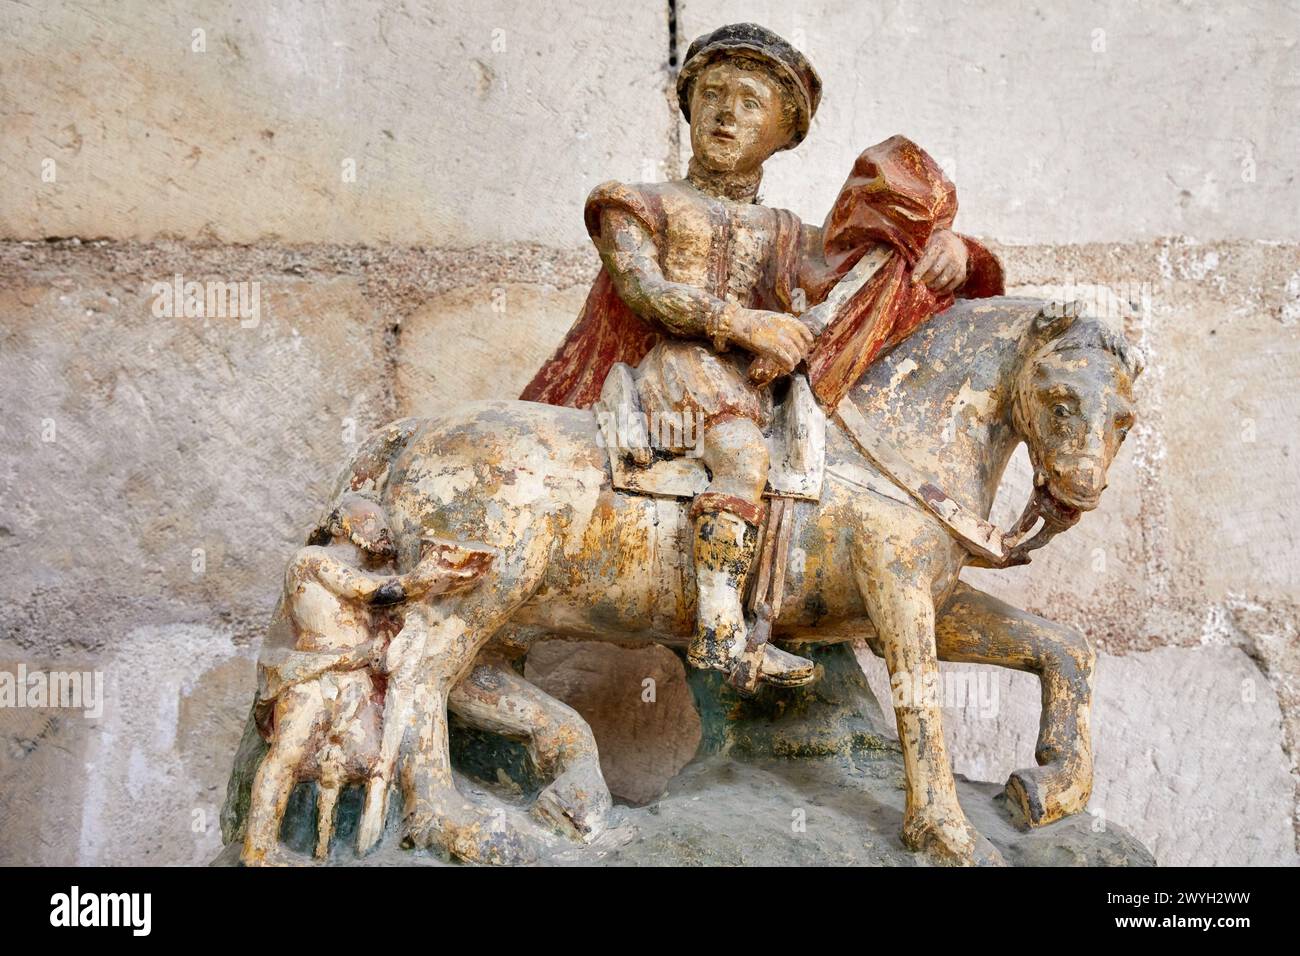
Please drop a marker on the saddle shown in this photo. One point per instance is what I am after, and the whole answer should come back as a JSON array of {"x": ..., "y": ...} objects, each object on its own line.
[{"x": 647, "y": 458}]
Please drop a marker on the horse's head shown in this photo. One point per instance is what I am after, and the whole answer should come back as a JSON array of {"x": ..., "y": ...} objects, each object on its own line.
[{"x": 1074, "y": 406}]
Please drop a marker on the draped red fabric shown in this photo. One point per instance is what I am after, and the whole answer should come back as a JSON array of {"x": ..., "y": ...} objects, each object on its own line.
[
  {"x": 607, "y": 331},
  {"x": 895, "y": 194}
]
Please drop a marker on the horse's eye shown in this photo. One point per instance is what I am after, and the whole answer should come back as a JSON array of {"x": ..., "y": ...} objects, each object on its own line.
[
  {"x": 1123, "y": 433},
  {"x": 1061, "y": 410}
]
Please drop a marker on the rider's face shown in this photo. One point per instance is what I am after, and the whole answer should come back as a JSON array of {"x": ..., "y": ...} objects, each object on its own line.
[{"x": 736, "y": 118}]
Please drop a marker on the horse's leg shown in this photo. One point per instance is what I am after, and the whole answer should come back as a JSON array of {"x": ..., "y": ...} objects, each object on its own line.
[
  {"x": 495, "y": 698},
  {"x": 902, "y": 610},
  {"x": 976, "y": 627},
  {"x": 451, "y": 632}
]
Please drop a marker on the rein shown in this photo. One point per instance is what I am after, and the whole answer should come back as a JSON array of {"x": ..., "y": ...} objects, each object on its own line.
[{"x": 989, "y": 547}]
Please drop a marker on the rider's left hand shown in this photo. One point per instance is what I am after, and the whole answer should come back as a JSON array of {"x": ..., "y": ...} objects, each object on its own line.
[{"x": 943, "y": 264}]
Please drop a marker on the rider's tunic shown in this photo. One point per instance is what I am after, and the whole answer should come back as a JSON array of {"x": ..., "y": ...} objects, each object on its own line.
[{"x": 725, "y": 250}]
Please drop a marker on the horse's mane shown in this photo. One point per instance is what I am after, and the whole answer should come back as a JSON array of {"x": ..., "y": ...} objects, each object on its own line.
[{"x": 1091, "y": 333}]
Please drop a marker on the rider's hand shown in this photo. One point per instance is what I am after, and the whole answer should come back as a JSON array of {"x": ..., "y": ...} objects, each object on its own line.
[
  {"x": 781, "y": 338},
  {"x": 943, "y": 264},
  {"x": 445, "y": 566}
]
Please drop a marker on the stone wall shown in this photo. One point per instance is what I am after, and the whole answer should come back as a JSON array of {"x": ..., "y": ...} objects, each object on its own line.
[{"x": 404, "y": 183}]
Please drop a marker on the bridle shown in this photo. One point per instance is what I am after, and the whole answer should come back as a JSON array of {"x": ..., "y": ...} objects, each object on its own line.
[
  {"x": 1018, "y": 543},
  {"x": 988, "y": 546},
  {"x": 1056, "y": 515}
]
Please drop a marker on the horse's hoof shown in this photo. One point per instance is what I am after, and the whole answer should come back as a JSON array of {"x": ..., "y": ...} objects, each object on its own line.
[
  {"x": 419, "y": 832},
  {"x": 947, "y": 839},
  {"x": 576, "y": 804},
  {"x": 986, "y": 854},
  {"x": 494, "y": 836},
  {"x": 1051, "y": 792},
  {"x": 1025, "y": 791},
  {"x": 502, "y": 847}
]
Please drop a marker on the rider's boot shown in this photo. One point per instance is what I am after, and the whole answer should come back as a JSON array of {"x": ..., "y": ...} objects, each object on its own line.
[{"x": 726, "y": 539}]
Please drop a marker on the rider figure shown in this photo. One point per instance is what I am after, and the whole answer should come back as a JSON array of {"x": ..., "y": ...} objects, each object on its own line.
[
  {"x": 716, "y": 279},
  {"x": 692, "y": 257}
]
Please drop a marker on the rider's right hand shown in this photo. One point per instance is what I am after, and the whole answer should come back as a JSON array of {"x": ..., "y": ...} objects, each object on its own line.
[{"x": 777, "y": 336}]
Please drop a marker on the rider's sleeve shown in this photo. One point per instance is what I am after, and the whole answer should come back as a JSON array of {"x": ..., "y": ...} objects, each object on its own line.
[
  {"x": 895, "y": 195},
  {"x": 984, "y": 275},
  {"x": 623, "y": 227},
  {"x": 343, "y": 579},
  {"x": 637, "y": 201},
  {"x": 606, "y": 331}
]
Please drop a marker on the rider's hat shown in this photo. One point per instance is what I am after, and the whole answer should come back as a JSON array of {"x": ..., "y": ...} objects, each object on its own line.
[{"x": 787, "y": 65}]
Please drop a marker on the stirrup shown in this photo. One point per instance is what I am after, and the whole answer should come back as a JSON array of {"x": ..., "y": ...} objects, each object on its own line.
[
  {"x": 748, "y": 670},
  {"x": 798, "y": 671}
]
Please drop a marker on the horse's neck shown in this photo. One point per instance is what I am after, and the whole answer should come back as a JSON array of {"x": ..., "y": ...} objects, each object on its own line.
[{"x": 944, "y": 395}]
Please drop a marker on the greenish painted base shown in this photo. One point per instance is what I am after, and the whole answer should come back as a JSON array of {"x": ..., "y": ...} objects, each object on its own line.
[
  {"x": 837, "y": 715},
  {"x": 497, "y": 761}
]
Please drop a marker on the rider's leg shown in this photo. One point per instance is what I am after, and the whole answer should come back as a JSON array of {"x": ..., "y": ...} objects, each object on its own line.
[{"x": 726, "y": 516}]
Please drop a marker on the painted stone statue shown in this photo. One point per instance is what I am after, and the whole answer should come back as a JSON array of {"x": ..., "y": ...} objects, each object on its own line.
[{"x": 845, "y": 398}]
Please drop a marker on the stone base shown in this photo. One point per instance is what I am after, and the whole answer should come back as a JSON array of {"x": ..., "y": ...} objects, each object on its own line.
[
  {"x": 724, "y": 811},
  {"x": 803, "y": 777},
  {"x": 838, "y": 812}
]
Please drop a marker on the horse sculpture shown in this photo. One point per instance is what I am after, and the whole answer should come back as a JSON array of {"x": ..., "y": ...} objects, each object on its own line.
[{"x": 576, "y": 558}]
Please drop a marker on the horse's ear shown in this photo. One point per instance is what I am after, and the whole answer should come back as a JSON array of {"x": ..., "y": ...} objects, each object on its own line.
[
  {"x": 1055, "y": 317},
  {"x": 1134, "y": 362}
]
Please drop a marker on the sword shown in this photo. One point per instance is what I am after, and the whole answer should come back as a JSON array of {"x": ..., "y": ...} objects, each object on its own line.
[{"x": 764, "y": 371}]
